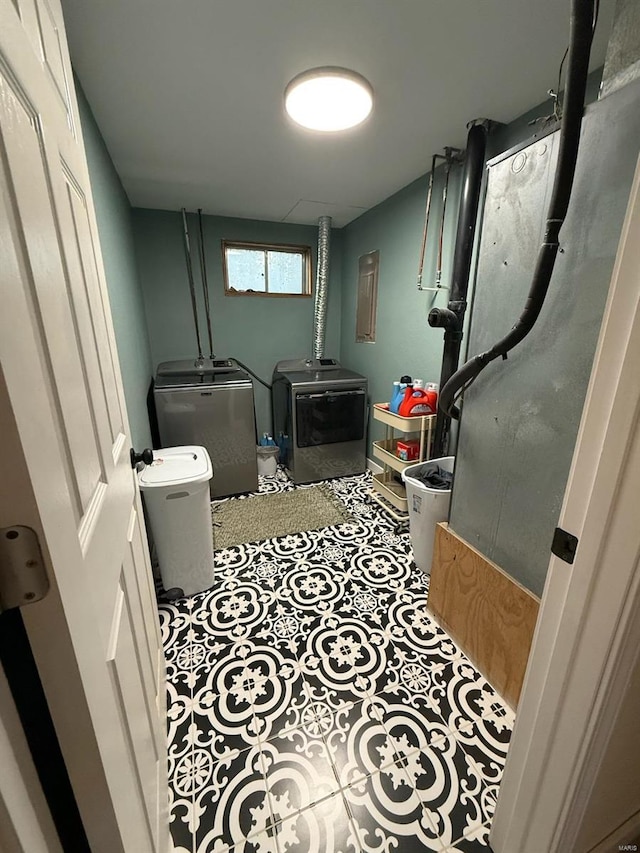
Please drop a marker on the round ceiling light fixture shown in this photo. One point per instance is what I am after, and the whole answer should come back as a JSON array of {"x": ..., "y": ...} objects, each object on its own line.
[{"x": 328, "y": 99}]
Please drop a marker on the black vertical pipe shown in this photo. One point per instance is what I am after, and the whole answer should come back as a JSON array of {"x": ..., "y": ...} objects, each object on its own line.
[
  {"x": 452, "y": 318},
  {"x": 205, "y": 283}
]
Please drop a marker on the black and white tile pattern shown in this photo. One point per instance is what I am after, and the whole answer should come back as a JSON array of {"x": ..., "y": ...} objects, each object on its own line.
[{"x": 315, "y": 707}]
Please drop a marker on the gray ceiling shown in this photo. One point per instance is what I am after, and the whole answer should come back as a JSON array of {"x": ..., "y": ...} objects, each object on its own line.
[{"x": 189, "y": 93}]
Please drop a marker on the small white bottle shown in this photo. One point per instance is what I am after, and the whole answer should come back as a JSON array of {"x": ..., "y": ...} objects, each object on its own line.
[{"x": 432, "y": 391}]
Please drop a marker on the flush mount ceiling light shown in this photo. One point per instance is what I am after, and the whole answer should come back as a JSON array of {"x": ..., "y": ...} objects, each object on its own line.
[{"x": 328, "y": 99}]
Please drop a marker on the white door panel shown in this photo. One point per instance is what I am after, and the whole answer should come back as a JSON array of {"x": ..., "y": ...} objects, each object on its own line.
[
  {"x": 47, "y": 290},
  {"x": 102, "y": 377},
  {"x": 29, "y": 17},
  {"x": 105, "y": 680}
]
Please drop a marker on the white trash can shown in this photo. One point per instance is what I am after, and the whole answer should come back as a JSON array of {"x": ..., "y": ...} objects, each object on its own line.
[
  {"x": 176, "y": 494},
  {"x": 426, "y": 508},
  {"x": 267, "y": 460}
]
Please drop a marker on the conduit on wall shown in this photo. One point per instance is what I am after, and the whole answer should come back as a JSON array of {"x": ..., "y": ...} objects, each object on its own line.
[
  {"x": 450, "y": 156},
  {"x": 192, "y": 290}
]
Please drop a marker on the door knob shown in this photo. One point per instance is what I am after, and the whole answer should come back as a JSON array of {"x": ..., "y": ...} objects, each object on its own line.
[{"x": 146, "y": 456}]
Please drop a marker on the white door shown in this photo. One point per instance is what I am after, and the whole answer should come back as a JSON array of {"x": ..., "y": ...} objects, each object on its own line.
[
  {"x": 64, "y": 450},
  {"x": 25, "y": 822}
]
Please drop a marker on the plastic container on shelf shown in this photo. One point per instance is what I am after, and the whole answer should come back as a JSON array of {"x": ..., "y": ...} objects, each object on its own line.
[
  {"x": 283, "y": 448},
  {"x": 432, "y": 391},
  {"x": 395, "y": 394},
  {"x": 426, "y": 507},
  {"x": 416, "y": 401},
  {"x": 398, "y": 393},
  {"x": 408, "y": 449},
  {"x": 175, "y": 488}
]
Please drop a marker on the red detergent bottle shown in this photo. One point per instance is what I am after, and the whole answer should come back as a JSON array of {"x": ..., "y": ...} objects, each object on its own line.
[{"x": 417, "y": 401}]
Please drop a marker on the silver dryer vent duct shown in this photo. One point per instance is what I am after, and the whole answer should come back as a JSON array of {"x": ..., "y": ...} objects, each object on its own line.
[{"x": 322, "y": 282}]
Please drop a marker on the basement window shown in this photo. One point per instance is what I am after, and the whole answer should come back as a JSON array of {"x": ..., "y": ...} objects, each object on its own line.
[{"x": 265, "y": 269}]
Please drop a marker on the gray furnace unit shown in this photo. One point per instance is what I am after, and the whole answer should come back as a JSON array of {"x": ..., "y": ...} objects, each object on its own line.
[{"x": 210, "y": 406}]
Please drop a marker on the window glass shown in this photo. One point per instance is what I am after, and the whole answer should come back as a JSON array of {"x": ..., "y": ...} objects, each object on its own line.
[
  {"x": 285, "y": 272},
  {"x": 266, "y": 269},
  {"x": 245, "y": 270}
]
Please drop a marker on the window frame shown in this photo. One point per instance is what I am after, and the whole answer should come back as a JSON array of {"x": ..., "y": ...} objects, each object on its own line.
[{"x": 288, "y": 248}]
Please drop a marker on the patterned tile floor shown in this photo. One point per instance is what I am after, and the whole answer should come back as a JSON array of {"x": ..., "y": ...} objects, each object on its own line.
[{"x": 315, "y": 707}]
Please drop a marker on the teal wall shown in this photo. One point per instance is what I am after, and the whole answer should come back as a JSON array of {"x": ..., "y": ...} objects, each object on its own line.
[
  {"x": 257, "y": 330},
  {"x": 404, "y": 341},
  {"x": 113, "y": 214}
]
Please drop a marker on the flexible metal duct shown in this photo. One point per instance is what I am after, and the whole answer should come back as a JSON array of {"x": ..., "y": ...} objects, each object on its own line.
[{"x": 322, "y": 282}]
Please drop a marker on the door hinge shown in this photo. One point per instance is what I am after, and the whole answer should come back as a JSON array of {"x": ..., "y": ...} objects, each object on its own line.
[
  {"x": 564, "y": 545},
  {"x": 23, "y": 577}
]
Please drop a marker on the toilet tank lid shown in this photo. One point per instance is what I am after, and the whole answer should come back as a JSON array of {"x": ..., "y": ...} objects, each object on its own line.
[{"x": 173, "y": 466}]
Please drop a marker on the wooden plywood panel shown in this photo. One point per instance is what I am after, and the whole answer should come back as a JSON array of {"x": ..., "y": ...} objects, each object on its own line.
[{"x": 486, "y": 612}]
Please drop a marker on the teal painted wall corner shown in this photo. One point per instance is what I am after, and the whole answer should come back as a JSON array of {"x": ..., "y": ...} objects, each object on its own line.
[
  {"x": 404, "y": 343},
  {"x": 113, "y": 214}
]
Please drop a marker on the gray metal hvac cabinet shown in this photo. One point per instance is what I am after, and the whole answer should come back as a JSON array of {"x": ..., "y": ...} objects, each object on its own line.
[
  {"x": 520, "y": 418},
  {"x": 212, "y": 407}
]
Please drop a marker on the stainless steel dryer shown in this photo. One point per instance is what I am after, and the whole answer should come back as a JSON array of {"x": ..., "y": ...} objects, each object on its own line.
[
  {"x": 322, "y": 408},
  {"x": 211, "y": 406}
]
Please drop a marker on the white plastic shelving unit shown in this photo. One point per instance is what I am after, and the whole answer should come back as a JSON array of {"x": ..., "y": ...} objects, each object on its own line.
[{"x": 387, "y": 491}]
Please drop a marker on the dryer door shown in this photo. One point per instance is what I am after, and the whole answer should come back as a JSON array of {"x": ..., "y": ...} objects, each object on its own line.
[{"x": 330, "y": 417}]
